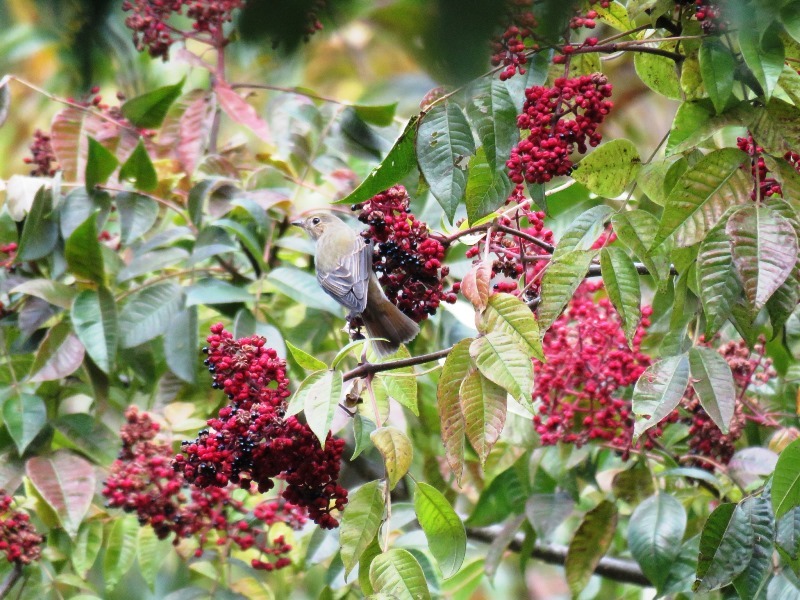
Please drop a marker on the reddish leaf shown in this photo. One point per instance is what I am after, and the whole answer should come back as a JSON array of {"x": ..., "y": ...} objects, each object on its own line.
[
  {"x": 70, "y": 128},
  {"x": 475, "y": 285},
  {"x": 764, "y": 248},
  {"x": 240, "y": 111},
  {"x": 455, "y": 370},
  {"x": 194, "y": 125},
  {"x": 67, "y": 483},
  {"x": 59, "y": 355}
]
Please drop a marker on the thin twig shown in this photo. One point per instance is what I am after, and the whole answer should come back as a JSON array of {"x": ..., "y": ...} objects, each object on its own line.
[
  {"x": 365, "y": 369},
  {"x": 11, "y": 580},
  {"x": 617, "y": 569}
]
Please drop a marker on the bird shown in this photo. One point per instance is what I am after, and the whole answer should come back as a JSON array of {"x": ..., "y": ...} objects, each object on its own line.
[{"x": 343, "y": 261}]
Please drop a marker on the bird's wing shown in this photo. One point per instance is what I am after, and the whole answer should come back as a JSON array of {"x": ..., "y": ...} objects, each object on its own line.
[{"x": 349, "y": 281}]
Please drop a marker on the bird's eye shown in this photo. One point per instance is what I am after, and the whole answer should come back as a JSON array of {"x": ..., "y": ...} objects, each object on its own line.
[{"x": 315, "y": 221}]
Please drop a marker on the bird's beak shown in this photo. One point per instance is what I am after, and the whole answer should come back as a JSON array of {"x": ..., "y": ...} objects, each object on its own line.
[{"x": 297, "y": 222}]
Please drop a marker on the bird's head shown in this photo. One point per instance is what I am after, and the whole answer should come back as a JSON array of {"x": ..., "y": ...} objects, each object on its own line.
[{"x": 318, "y": 223}]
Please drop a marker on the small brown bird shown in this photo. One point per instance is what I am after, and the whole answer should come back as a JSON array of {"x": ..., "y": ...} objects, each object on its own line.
[{"x": 344, "y": 270}]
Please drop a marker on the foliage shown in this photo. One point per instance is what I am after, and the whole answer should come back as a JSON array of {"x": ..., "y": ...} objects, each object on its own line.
[{"x": 610, "y": 326}]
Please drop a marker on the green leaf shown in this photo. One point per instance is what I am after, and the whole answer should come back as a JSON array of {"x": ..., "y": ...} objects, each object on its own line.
[
  {"x": 752, "y": 583},
  {"x": 447, "y": 538},
  {"x": 148, "y": 110},
  {"x": 302, "y": 287},
  {"x": 373, "y": 550},
  {"x": 320, "y": 399},
  {"x": 659, "y": 73},
  {"x": 637, "y": 230},
  {"x": 304, "y": 359},
  {"x": 658, "y": 391},
  {"x": 483, "y": 405},
  {"x": 398, "y": 163},
  {"x": 397, "y": 575},
  {"x": 100, "y": 164},
  {"x": 717, "y": 67},
  {"x": 67, "y": 483},
  {"x": 212, "y": 291},
  {"x": 401, "y": 384},
  {"x": 777, "y": 127},
  {"x": 494, "y": 117},
  {"x": 508, "y": 314},
  {"x": 150, "y": 554},
  {"x": 148, "y": 313},
  {"x": 500, "y": 359},
  {"x": 54, "y": 292},
  {"x": 682, "y": 572},
  {"x": 713, "y": 383},
  {"x": 444, "y": 145},
  {"x": 546, "y": 512},
  {"x": 381, "y": 115},
  {"x": 589, "y": 544},
  {"x": 702, "y": 195},
  {"x": 60, "y": 354},
  {"x": 621, "y": 281},
  {"x": 360, "y": 522},
  {"x": 584, "y": 231},
  {"x": 790, "y": 16},
  {"x": 505, "y": 495},
  {"x": 456, "y": 367},
  {"x": 82, "y": 251},
  {"x": 139, "y": 169},
  {"x": 634, "y": 484},
  {"x": 487, "y": 189},
  {"x": 24, "y": 415},
  {"x": 716, "y": 279},
  {"x": 764, "y": 247},
  {"x": 137, "y": 215},
  {"x": 608, "y": 170},
  {"x": 40, "y": 230},
  {"x": 397, "y": 452},
  {"x": 786, "y": 480},
  {"x": 614, "y": 15},
  {"x": 94, "y": 317},
  {"x": 763, "y": 53},
  {"x": 787, "y": 535},
  {"x": 181, "y": 343},
  {"x": 785, "y": 299},
  {"x": 726, "y": 547},
  {"x": 362, "y": 429},
  {"x": 120, "y": 550},
  {"x": 655, "y": 534},
  {"x": 86, "y": 547},
  {"x": 561, "y": 279}
]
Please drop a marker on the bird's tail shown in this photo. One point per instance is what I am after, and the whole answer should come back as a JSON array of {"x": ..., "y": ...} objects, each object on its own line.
[{"x": 384, "y": 320}]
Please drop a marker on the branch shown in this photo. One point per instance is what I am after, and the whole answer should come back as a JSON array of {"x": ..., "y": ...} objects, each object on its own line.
[
  {"x": 594, "y": 270},
  {"x": 618, "y": 569},
  {"x": 365, "y": 369},
  {"x": 11, "y": 580}
]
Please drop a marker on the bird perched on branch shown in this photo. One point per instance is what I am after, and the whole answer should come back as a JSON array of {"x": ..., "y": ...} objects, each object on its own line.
[{"x": 343, "y": 261}]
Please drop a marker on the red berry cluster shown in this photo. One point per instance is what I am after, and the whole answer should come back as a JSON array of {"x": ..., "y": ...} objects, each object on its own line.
[
  {"x": 407, "y": 259},
  {"x": 10, "y": 250},
  {"x": 581, "y": 388},
  {"x": 149, "y": 20},
  {"x": 509, "y": 48},
  {"x": 710, "y": 16},
  {"x": 250, "y": 441},
  {"x": 515, "y": 257},
  {"x": 559, "y": 120},
  {"x": 763, "y": 185},
  {"x": 18, "y": 538},
  {"x": 142, "y": 481},
  {"x": 43, "y": 156},
  {"x": 763, "y": 182}
]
